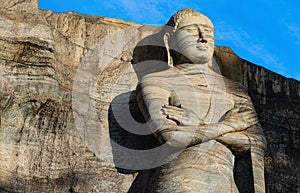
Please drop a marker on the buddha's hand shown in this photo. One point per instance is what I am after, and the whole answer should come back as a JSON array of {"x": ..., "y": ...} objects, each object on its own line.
[
  {"x": 181, "y": 116},
  {"x": 178, "y": 136}
]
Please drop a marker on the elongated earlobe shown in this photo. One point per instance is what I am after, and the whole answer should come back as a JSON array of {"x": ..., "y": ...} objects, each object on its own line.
[{"x": 166, "y": 42}]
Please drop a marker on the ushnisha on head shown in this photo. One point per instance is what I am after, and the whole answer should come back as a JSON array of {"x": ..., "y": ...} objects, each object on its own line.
[
  {"x": 189, "y": 38},
  {"x": 179, "y": 18}
]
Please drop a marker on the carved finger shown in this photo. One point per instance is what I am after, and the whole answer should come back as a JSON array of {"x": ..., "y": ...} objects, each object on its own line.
[
  {"x": 169, "y": 111},
  {"x": 175, "y": 113},
  {"x": 169, "y": 107},
  {"x": 175, "y": 118},
  {"x": 172, "y": 113}
]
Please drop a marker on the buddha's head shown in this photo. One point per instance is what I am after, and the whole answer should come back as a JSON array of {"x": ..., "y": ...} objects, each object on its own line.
[{"x": 191, "y": 37}]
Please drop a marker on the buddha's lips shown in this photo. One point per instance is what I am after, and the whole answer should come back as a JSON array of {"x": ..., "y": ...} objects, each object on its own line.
[
  {"x": 198, "y": 45},
  {"x": 201, "y": 47}
]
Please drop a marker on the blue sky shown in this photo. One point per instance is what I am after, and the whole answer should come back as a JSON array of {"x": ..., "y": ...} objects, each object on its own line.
[{"x": 265, "y": 32}]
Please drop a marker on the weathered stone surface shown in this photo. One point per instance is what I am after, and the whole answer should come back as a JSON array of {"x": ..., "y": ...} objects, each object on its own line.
[
  {"x": 277, "y": 102},
  {"x": 41, "y": 149},
  {"x": 191, "y": 107}
]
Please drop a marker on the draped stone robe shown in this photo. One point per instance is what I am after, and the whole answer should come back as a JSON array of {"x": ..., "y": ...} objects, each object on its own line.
[{"x": 207, "y": 166}]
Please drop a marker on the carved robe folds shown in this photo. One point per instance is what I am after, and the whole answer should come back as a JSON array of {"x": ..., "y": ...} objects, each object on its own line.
[{"x": 230, "y": 126}]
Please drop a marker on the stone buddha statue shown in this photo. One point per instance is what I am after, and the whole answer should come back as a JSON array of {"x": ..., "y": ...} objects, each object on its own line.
[{"x": 208, "y": 118}]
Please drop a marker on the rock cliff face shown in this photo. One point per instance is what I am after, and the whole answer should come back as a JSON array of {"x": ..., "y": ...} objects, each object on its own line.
[
  {"x": 42, "y": 144},
  {"x": 277, "y": 101}
]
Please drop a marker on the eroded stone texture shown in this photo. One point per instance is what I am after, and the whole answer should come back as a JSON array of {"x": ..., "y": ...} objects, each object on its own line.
[
  {"x": 277, "y": 101},
  {"x": 41, "y": 148}
]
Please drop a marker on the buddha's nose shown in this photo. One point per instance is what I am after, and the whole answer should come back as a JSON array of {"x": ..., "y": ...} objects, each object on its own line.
[{"x": 202, "y": 38}]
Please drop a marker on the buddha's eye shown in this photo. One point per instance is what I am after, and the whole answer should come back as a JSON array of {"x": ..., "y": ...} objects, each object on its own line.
[
  {"x": 208, "y": 30},
  {"x": 192, "y": 30}
]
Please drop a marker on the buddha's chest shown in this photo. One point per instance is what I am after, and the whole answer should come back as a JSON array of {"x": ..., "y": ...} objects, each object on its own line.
[{"x": 209, "y": 100}]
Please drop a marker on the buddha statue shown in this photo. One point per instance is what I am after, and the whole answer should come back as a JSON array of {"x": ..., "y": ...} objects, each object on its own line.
[{"x": 207, "y": 117}]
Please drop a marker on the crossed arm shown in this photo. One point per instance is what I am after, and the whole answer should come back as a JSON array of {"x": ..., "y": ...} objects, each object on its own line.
[{"x": 237, "y": 128}]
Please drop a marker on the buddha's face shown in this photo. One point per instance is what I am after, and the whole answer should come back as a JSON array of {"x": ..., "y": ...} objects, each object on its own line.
[{"x": 194, "y": 39}]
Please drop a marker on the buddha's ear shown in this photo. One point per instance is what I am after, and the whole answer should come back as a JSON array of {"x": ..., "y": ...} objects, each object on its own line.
[{"x": 166, "y": 42}]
